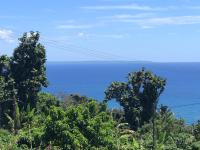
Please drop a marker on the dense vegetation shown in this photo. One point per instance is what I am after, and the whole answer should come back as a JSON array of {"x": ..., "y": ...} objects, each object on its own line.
[{"x": 30, "y": 119}]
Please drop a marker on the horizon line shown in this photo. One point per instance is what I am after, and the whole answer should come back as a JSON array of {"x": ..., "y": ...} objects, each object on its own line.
[{"x": 124, "y": 61}]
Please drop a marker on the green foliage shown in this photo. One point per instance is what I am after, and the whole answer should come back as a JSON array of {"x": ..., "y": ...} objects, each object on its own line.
[
  {"x": 171, "y": 134},
  {"x": 197, "y": 130},
  {"x": 22, "y": 77},
  {"x": 196, "y": 146},
  {"x": 44, "y": 103},
  {"x": 42, "y": 121},
  {"x": 17, "y": 117},
  {"x": 8, "y": 103},
  {"x": 30, "y": 136},
  {"x": 5, "y": 67},
  {"x": 83, "y": 127},
  {"x": 118, "y": 115},
  {"x": 138, "y": 97},
  {"x": 28, "y": 68},
  {"x": 126, "y": 138},
  {"x": 7, "y": 141},
  {"x": 2, "y": 86}
]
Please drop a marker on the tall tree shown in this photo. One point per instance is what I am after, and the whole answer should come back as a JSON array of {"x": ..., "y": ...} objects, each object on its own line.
[
  {"x": 28, "y": 66},
  {"x": 4, "y": 67},
  {"x": 138, "y": 97},
  {"x": 8, "y": 103},
  {"x": 2, "y": 86}
]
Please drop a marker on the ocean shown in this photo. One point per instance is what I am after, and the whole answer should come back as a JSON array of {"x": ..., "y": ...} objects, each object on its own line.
[{"x": 181, "y": 95}]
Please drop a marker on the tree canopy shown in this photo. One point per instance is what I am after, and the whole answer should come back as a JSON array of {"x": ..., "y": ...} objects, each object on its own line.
[
  {"x": 28, "y": 68},
  {"x": 138, "y": 97}
]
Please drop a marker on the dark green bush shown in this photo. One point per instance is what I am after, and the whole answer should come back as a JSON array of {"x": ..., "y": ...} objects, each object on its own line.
[{"x": 196, "y": 146}]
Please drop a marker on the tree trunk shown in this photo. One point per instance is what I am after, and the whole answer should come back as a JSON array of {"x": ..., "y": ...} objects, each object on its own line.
[
  {"x": 16, "y": 115},
  {"x": 154, "y": 127},
  {"x": 0, "y": 115}
]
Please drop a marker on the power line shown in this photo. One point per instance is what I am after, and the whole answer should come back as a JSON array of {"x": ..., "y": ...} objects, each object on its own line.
[
  {"x": 185, "y": 105},
  {"x": 96, "y": 53},
  {"x": 81, "y": 48},
  {"x": 74, "y": 50}
]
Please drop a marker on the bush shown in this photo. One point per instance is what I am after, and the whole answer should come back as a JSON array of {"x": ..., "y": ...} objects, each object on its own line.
[
  {"x": 7, "y": 141},
  {"x": 196, "y": 146}
]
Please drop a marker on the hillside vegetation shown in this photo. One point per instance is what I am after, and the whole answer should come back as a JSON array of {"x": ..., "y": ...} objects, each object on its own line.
[{"x": 31, "y": 119}]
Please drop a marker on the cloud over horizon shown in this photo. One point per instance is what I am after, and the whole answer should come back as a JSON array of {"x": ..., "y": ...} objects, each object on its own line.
[
  {"x": 132, "y": 6},
  {"x": 150, "y": 22}
]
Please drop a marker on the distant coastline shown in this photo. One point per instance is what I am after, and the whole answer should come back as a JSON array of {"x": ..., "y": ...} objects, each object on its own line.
[
  {"x": 95, "y": 62},
  {"x": 115, "y": 62}
]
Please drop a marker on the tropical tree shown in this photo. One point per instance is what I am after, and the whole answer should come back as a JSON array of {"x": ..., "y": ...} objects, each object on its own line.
[
  {"x": 8, "y": 104},
  {"x": 2, "y": 86},
  {"x": 28, "y": 68},
  {"x": 138, "y": 97}
]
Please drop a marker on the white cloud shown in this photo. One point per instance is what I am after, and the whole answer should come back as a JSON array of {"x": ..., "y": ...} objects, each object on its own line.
[
  {"x": 6, "y": 35},
  {"x": 134, "y": 6},
  {"x": 119, "y": 17},
  {"x": 150, "y": 22},
  {"x": 110, "y": 36},
  {"x": 72, "y": 26},
  {"x": 83, "y": 35},
  {"x": 175, "y": 20},
  {"x": 124, "y": 7}
]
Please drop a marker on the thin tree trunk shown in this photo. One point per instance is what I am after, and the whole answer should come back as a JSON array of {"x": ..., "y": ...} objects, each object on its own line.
[
  {"x": 0, "y": 115},
  {"x": 154, "y": 130},
  {"x": 16, "y": 114}
]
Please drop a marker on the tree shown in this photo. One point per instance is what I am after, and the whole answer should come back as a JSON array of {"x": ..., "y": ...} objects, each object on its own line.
[
  {"x": 138, "y": 97},
  {"x": 171, "y": 133},
  {"x": 197, "y": 130},
  {"x": 8, "y": 91},
  {"x": 28, "y": 68},
  {"x": 2, "y": 86}
]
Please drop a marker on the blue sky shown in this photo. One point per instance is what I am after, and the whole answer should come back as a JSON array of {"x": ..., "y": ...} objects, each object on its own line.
[{"x": 78, "y": 30}]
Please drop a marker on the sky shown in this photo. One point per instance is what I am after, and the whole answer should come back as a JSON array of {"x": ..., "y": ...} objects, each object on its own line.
[{"x": 106, "y": 30}]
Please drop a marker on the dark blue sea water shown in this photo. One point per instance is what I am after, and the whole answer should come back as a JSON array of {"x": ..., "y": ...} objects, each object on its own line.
[{"x": 92, "y": 79}]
